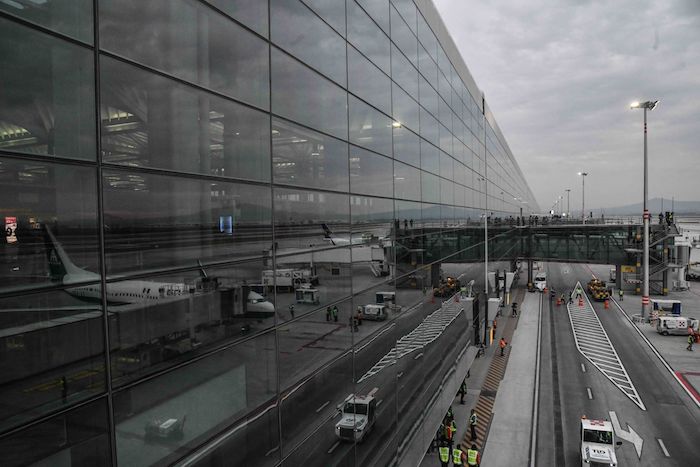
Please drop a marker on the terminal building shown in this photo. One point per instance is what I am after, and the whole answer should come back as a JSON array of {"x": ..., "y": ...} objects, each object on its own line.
[{"x": 200, "y": 197}]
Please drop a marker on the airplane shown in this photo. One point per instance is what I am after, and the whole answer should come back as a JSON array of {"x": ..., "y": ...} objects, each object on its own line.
[
  {"x": 63, "y": 270},
  {"x": 363, "y": 239}
]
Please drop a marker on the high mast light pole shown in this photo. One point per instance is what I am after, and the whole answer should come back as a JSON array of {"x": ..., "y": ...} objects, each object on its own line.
[{"x": 583, "y": 195}]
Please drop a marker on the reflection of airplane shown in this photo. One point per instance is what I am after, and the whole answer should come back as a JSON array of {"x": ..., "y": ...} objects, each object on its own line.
[
  {"x": 63, "y": 270},
  {"x": 354, "y": 239}
]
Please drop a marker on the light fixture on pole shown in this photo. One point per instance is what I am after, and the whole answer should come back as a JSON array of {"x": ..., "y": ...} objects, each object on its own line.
[
  {"x": 648, "y": 105},
  {"x": 583, "y": 195},
  {"x": 568, "y": 212}
]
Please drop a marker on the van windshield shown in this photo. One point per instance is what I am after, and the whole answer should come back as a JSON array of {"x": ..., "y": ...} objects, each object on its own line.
[{"x": 596, "y": 436}]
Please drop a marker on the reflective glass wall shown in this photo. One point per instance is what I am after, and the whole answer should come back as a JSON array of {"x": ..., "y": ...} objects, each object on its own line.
[{"x": 200, "y": 198}]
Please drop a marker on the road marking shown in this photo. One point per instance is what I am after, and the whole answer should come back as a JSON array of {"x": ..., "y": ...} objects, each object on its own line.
[
  {"x": 330, "y": 451},
  {"x": 323, "y": 406},
  {"x": 663, "y": 447},
  {"x": 380, "y": 402},
  {"x": 373, "y": 391},
  {"x": 583, "y": 367},
  {"x": 590, "y": 394},
  {"x": 593, "y": 343},
  {"x": 271, "y": 451},
  {"x": 630, "y": 435}
]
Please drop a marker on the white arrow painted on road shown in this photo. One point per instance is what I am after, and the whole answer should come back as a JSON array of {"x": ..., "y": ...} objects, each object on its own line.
[{"x": 630, "y": 436}]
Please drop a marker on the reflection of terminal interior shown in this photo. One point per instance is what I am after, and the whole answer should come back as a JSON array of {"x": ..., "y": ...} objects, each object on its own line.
[{"x": 220, "y": 215}]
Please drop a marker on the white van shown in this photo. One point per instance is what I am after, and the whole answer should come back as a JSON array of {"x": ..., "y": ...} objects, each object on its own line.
[
  {"x": 676, "y": 325},
  {"x": 541, "y": 281}
]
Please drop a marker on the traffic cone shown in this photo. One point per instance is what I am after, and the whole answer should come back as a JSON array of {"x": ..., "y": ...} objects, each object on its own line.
[
  {"x": 544, "y": 290},
  {"x": 580, "y": 301},
  {"x": 558, "y": 301},
  {"x": 607, "y": 305}
]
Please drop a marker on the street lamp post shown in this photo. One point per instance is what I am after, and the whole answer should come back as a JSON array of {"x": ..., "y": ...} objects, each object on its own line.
[
  {"x": 568, "y": 212},
  {"x": 648, "y": 105},
  {"x": 583, "y": 195}
]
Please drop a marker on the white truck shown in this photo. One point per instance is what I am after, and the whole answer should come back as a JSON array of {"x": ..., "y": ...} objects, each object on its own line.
[
  {"x": 677, "y": 325},
  {"x": 374, "y": 312},
  {"x": 541, "y": 281},
  {"x": 358, "y": 414},
  {"x": 597, "y": 443},
  {"x": 288, "y": 279}
]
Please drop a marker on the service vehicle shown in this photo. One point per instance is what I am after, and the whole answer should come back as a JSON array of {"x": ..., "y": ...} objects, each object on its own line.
[
  {"x": 541, "y": 281},
  {"x": 358, "y": 414},
  {"x": 385, "y": 297},
  {"x": 307, "y": 295},
  {"x": 288, "y": 279},
  {"x": 676, "y": 325},
  {"x": 374, "y": 312},
  {"x": 598, "y": 290},
  {"x": 165, "y": 428},
  {"x": 664, "y": 306},
  {"x": 597, "y": 443}
]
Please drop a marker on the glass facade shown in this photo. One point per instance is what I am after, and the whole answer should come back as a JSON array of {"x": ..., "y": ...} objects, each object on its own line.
[{"x": 197, "y": 197}]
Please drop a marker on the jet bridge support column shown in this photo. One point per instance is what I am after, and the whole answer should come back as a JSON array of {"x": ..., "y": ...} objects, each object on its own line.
[
  {"x": 529, "y": 273},
  {"x": 618, "y": 276}
]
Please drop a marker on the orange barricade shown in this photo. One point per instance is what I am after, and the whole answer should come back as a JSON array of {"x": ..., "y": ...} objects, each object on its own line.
[
  {"x": 580, "y": 301},
  {"x": 607, "y": 305}
]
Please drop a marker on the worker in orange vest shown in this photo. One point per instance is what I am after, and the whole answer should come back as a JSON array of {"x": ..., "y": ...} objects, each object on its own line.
[{"x": 502, "y": 344}]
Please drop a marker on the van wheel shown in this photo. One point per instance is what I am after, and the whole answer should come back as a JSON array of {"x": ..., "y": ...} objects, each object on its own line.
[{"x": 665, "y": 333}]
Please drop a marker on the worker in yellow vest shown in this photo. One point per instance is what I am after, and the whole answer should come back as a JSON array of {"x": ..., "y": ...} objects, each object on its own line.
[
  {"x": 444, "y": 453},
  {"x": 458, "y": 457},
  {"x": 473, "y": 456}
]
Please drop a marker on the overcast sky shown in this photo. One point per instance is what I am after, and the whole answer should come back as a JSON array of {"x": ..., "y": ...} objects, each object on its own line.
[{"x": 559, "y": 76}]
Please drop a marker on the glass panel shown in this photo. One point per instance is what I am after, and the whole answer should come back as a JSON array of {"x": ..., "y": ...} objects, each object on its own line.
[
  {"x": 72, "y": 18},
  {"x": 252, "y": 13},
  {"x": 369, "y": 127},
  {"x": 299, "y": 215},
  {"x": 429, "y": 127},
  {"x": 429, "y": 97},
  {"x": 426, "y": 37},
  {"x": 408, "y": 11},
  {"x": 50, "y": 224},
  {"x": 163, "y": 418},
  {"x": 298, "y": 30},
  {"x": 47, "y": 103},
  {"x": 164, "y": 320},
  {"x": 372, "y": 220},
  {"x": 427, "y": 66},
  {"x": 306, "y": 97},
  {"x": 429, "y": 157},
  {"x": 307, "y": 158},
  {"x": 403, "y": 37},
  {"x": 378, "y": 10},
  {"x": 403, "y": 72},
  {"x": 406, "y": 181},
  {"x": 333, "y": 11},
  {"x": 405, "y": 108},
  {"x": 364, "y": 34},
  {"x": 191, "y": 41},
  {"x": 406, "y": 146},
  {"x": 446, "y": 191},
  {"x": 445, "y": 139},
  {"x": 309, "y": 346},
  {"x": 180, "y": 221},
  {"x": 443, "y": 62},
  {"x": 370, "y": 173},
  {"x": 51, "y": 352},
  {"x": 430, "y": 187},
  {"x": 446, "y": 166},
  {"x": 368, "y": 82},
  {"x": 77, "y": 437},
  {"x": 150, "y": 121},
  {"x": 444, "y": 113},
  {"x": 444, "y": 87}
]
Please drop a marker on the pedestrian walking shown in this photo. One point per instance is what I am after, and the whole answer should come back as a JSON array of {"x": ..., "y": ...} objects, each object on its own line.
[
  {"x": 328, "y": 313},
  {"x": 450, "y": 429},
  {"x": 620, "y": 294},
  {"x": 335, "y": 313},
  {"x": 462, "y": 391},
  {"x": 473, "y": 456},
  {"x": 515, "y": 310},
  {"x": 502, "y": 344},
  {"x": 691, "y": 339},
  {"x": 291, "y": 310},
  {"x": 473, "y": 420},
  {"x": 444, "y": 454},
  {"x": 458, "y": 457}
]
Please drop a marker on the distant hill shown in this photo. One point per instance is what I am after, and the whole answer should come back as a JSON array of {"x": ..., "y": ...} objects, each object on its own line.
[{"x": 654, "y": 206}]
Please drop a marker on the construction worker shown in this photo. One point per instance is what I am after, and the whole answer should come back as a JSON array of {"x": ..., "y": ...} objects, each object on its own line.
[
  {"x": 291, "y": 310},
  {"x": 473, "y": 456},
  {"x": 335, "y": 313},
  {"x": 473, "y": 420},
  {"x": 691, "y": 339},
  {"x": 502, "y": 344},
  {"x": 458, "y": 457},
  {"x": 462, "y": 391},
  {"x": 450, "y": 429},
  {"x": 620, "y": 294},
  {"x": 444, "y": 454},
  {"x": 515, "y": 309},
  {"x": 328, "y": 313}
]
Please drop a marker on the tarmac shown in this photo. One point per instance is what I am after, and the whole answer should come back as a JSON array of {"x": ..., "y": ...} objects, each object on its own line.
[{"x": 504, "y": 435}]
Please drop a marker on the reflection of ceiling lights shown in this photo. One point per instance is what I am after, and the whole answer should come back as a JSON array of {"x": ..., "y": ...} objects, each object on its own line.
[
  {"x": 297, "y": 140},
  {"x": 315, "y": 154},
  {"x": 285, "y": 164},
  {"x": 396, "y": 124},
  {"x": 275, "y": 132}
]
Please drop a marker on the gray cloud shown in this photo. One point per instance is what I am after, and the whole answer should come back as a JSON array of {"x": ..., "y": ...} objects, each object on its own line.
[{"x": 559, "y": 77}]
